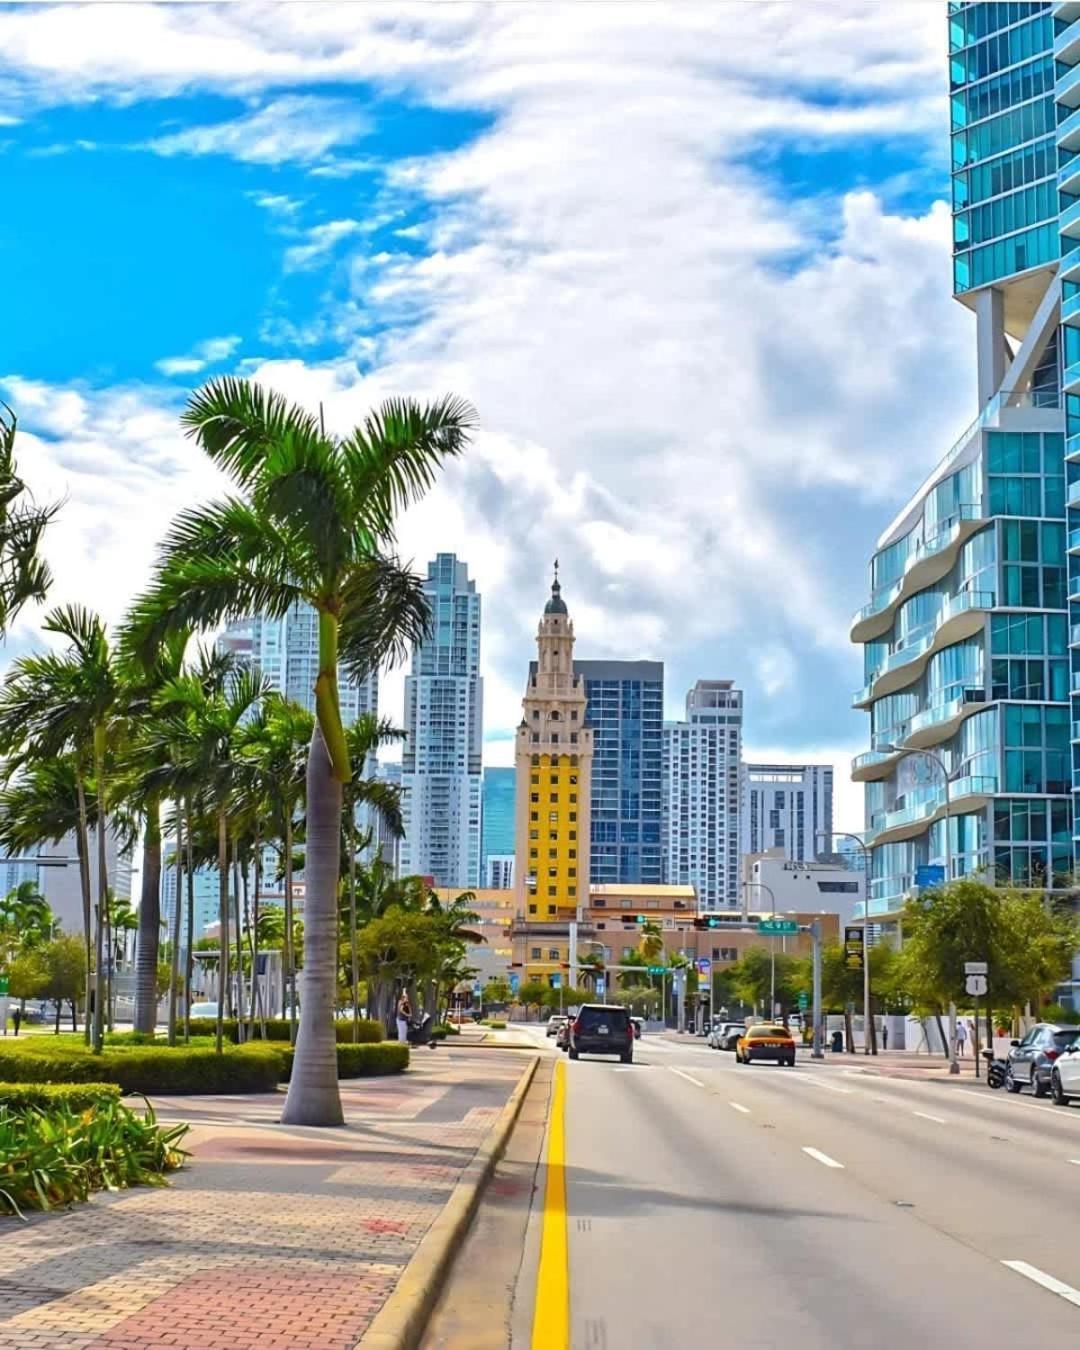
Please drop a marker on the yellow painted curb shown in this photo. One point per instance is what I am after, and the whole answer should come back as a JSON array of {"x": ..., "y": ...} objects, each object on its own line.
[
  {"x": 551, "y": 1311},
  {"x": 401, "y": 1321}
]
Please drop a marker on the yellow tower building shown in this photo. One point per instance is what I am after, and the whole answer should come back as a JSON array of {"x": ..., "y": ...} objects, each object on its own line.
[{"x": 553, "y": 760}]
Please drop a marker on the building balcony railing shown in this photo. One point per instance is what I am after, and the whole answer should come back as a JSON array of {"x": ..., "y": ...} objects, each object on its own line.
[
  {"x": 1067, "y": 88},
  {"x": 1069, "y": 220},
  {"x": 938, "y": 722},
  {"x": 1067, "y": 45},
  {"x": 1068, "y": 177},
  {"x": 1070, "y": 308},
  {"x": 905, "y": 822},
  {"x": 1069, "y": 266},
  {"x": 949, "y": 532},
  {"x": 1065, "y": 11}
]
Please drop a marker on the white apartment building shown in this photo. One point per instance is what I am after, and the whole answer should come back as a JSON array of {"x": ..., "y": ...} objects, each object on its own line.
[
  {"x": 700, "y": 829},
  {"x": 499, "y": 872},
  {"x": 788, "y": 807},
  {"x": 773, "y": 883},
  {"x": 444, "y": 721}
]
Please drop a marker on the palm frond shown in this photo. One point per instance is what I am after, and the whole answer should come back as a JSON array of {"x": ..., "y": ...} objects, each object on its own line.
[
  {"x": 240, "y": 425},
  {"x": 385, "y": 612}
]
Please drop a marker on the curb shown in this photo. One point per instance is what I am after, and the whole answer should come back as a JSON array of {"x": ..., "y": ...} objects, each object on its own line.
[{"x": 401, "y": 1321}]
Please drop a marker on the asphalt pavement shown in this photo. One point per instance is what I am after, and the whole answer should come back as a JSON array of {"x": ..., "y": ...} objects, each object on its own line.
[{"x": 817, "y": 1207}]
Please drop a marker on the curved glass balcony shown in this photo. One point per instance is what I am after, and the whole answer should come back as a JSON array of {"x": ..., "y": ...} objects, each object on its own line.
[
  {"x": 1069, "y": 220},
  {"x": 1067, "y": 45},
  {"x": 1070, "y": 378},
  {"x": 874, "y": 618},
  {"x": 1069, "y": 267},
  {"x": 1067, "y": 88},
  {"x": 936, "y": 724},
  {"x": 966, "y": 794},
  {"x": 872, "y": 764},
  {"x": 960, "y": 616},
  {"x": 1068, "y": 179},
  {"x": 1066, "y": 10}
]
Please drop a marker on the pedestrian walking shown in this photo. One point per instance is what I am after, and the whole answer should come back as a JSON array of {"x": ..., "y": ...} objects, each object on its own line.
[
  {"x": 884, "y": 1036},
  {"x": 16, "y": 1017},
  {"x": 404, "y": 1012},
  {"x": 961, "y": 1038}
]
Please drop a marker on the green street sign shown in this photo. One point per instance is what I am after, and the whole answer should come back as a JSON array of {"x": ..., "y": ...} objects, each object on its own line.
[
  {"x": 3, "y": 986},
  {"x": 804, "y": 1003},
  {"x": 657, "y": 970},
  {"x": 777, "y": 926}
]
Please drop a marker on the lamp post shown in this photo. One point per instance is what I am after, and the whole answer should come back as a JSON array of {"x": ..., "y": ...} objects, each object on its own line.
[
  {"x": 772, "y": 945},
  {"x": 868, "y": 1036},
  {"x": 954, "y": 1066}
]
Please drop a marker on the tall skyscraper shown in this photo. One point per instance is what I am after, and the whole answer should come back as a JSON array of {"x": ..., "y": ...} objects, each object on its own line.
[
  {"x": 444, "y": 719},
  {"x": 553, "y": 762},
  {"x": 788, "y": 806},
  {"x": 966, "y": 634},
  {"x": 701, "y": 759},
  {"x": 497, "y": 825},
  {"x": 626, "y": 713}
]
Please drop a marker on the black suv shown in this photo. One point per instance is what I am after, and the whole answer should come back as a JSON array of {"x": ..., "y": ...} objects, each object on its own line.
[{"x": 602, "y": 1029}]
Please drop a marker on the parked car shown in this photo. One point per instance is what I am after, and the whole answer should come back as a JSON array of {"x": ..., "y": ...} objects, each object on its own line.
[
  {"x": 1065, "y": 1074},
  {"x": 768, "y": 1042},
  {"x": 1031, "y": 1060},
  {"x": 204, "y": 1010},
  {"x": 562, "y": 1036},
  {"x": 554, "y": 1022},
  {"x": 602, "y": 1029},
  {"x": 725, "y": 1035}
]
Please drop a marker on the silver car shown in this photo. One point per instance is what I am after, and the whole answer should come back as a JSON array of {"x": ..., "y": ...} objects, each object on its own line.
[{"x": 724, "y": 1035}]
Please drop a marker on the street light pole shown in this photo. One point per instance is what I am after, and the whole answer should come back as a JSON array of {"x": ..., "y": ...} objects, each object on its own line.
[
  {"x": 772, "y": 944},
  {"x": 954, "y": 1066}
]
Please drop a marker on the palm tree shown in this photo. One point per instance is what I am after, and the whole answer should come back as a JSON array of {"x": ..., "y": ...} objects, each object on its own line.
[
  {"x": 200, "y": 763},
  {"x": 24, "y": 575},
  {"x": 25, "y": 918},
  {"x": 72, "y": 702},
  {"x": 313, "y": 524},
  {"x": 364, "y": 737}
]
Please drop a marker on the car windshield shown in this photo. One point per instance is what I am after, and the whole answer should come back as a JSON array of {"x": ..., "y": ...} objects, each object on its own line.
[
  {"x": 764, "y": 1031},
  {"x": 609, "y": 1017},
  {"x": 1066, "y": 1037}
]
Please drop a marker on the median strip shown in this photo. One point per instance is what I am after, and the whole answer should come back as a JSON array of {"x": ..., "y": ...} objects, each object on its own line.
[
  {"x": 737, "y": 1106},
  {"x": 1059, "y": 1287},
  {"x": 938, "y": 1120},
  {"x": 822, "y": 1158}
]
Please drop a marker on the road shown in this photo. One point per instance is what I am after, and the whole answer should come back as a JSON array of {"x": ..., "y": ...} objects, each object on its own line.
[{"x": 815, "y": 1207}]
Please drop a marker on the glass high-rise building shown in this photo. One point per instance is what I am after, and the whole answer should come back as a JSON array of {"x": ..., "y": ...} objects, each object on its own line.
[
  {"x": 790, "y": 807},
  {"x": 444, "y": 722},
  {"x": 966, "y": 636},
  {"x": 626, "y": 713},
  {"x": 497, "y": 825}
]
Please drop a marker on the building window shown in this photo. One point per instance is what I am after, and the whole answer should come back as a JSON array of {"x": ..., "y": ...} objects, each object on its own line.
[
  {"x": 554, "y": 797},
  {"x": 571, "y": 890},
  {"x": 555, "y": 738},
  {"x": 534, "y": 796},
  {"x": 573, "y": 738},
  {"x": 572, "y": 872},
  {"x": 554, "y": 780},
  {"x": 551, "y": 909},
  {"x": 535, "y": 736},
  {"x": 571, "y": 853},
  {"x": 553, "y": 871},
  {"x": 534, "y": 834},
  {"x": 535, "y": 780},
  {"x": 553, "y": 817},
  {"x": 532, "y": 908},
  {"x": 535, "y": 954},
  {"x": 573, "y": 834},
  {"x": 573, "y": 714},
  {"x": 599, "y": 903},
  {"x": 573, "y": 815},
  {"x": 534, "y": 853},
  {"x": 534, "y": 815},
  {"x": 553, "y": 953},
  {"x": 573, "y": 798},
  {"x": 552, "y": 890}
]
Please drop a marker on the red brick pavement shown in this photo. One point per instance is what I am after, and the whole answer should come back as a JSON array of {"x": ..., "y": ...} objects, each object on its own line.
[{"x": 272, "y": 1236}]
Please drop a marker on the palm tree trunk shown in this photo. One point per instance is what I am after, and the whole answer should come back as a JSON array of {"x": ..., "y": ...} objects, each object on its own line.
[
  {"x": 313, "y": 1097},
  {"x": 103, "y": 892},
  {"x": 149, "y": 935},
  {"x": 352, "y": 935},
  {"x": 189, "y": 953},
  {"x": 82, "y": 848},
  {"x": 257, "y": 1007},
  {"x": 174, "y": 955},
  {"x": 223, "y": 926},
  {"x": 290, "y": 945},
  {"x": 239, "y": 943}
]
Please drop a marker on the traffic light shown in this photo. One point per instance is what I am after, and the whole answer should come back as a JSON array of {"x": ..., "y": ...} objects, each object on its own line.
[
  {"x": 708, "y": 921},
  {"x": 641, "y": 918}
]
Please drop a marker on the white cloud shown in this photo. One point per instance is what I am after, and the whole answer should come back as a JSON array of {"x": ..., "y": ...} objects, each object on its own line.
[
  {"x": 278, "y": 204},
  {"x": 296, "y": 127},
  {"x": 321, "y": 241},
  {"x": 206, "y": 353}
]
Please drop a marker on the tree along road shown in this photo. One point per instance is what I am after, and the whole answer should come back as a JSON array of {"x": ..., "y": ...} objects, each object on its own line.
[{"x": 813, "y": 1207}]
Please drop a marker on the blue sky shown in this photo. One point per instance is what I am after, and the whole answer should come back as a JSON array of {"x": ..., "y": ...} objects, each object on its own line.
[{"x": 690, "y": 263}]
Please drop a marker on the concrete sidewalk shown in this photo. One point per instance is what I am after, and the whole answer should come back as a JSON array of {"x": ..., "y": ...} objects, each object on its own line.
[{"x": 272, "y": 1236}]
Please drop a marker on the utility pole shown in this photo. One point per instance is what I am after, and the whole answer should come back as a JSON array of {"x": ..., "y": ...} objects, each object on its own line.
[{"x": 818, "y": 1051}]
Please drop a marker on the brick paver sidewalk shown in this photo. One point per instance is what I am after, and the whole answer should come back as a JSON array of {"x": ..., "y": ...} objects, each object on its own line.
[{"x": 272, "y": 1236}]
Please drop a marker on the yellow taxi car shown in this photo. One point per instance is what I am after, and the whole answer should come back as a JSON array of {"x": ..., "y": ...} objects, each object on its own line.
[{"x": 765, "y": 1041}]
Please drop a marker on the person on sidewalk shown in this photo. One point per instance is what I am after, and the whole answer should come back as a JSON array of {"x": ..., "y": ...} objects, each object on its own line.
[
  {"x": 404, "y": 1012},
  {"x": 16, "y": 1018},
  {"x": 884, "y": 1036},
  {"x": 961, "y": 1038}
]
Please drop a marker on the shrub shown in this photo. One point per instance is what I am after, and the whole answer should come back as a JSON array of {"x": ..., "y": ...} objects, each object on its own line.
[
  {"x": 57, "y": 1155},
  {"x": 149, "y": 1069},
  {"x": 496, "y": 1023},
  {"x": 45, "y": 1096},
  {"x": 361, "y": 1061},
  {"x": 277, "y": 1029}
]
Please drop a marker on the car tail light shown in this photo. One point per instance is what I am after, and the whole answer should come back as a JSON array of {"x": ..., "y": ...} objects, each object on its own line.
[
  {"x": 1051, "y": 1054},
  {"x": 575, "y": 1025}
]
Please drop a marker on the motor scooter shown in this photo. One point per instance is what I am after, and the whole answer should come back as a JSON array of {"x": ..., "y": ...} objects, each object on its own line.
[{"x": 995, "y": 1070}]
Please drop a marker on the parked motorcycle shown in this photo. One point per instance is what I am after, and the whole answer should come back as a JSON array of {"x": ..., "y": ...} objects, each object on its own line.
[{"x": 995, "y": 1070}]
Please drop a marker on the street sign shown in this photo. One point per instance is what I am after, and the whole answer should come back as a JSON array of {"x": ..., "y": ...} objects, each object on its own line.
[
  {"x": 477, "y": 988},
  {"x": 975, "y": 985},
  {"x": 656, "y": 970},
  {"x": 600, "y": 986},
  {"x": 515, "y": 982},
  {"x": 704, "y": 965},
  {"x": 976, "y": 968},
  {"x": 929, "y": 874},
  {"x": 777, "y": 926},
  {"x": 3, "y": 986},
  {"x": 853, "y": 948},
  {"x": 804, "y": 1002}
]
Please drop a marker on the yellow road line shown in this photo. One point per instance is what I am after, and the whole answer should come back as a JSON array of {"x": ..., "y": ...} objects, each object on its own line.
[{"x": 551, "y": 1315}]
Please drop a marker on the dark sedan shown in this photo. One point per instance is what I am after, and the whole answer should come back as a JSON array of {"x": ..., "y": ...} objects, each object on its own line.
[{"x": 1031, "y": 1060}]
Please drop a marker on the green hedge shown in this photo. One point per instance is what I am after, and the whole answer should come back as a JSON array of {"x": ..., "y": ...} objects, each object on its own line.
[
  {"x": 496, "y": 1023},
  {"x": 253, "y": 1068},
  {"x": 361, "y": 1061},
  {"x": 277, "y": 1029},
  {"x": 47, "y": 1096}
]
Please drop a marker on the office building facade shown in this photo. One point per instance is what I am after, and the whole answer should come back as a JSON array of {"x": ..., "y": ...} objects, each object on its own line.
[
  {"x": 496, "y": 824},
  {"x": 701, "y": 798},
  {"x": 966, "y": 636},
  {"x": 625, "y": 710},
  {"x": 444, "y": 722},
  {"x": 789, "y": 807}
]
